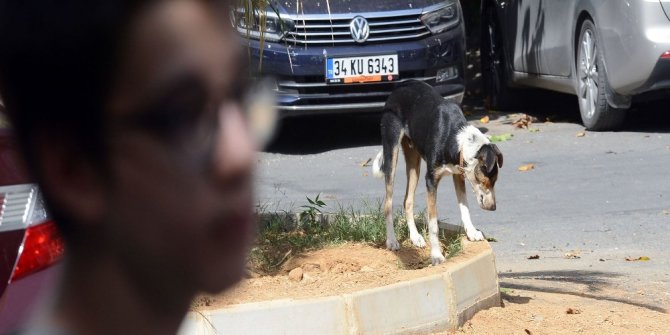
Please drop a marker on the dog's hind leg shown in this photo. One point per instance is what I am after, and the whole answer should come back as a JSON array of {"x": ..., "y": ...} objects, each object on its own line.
[
  {"x": 413, "y": 161},
  {"x": 470, "y": 230},
  {"x": 433, "y": 229},
  {"x": 392, "y": 133}
]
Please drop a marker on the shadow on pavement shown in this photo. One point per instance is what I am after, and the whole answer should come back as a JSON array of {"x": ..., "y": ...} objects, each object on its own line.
[
  {"x": 321, "y": 133},
  {"x": 595, "y": 281},
  {"x": 644, "y": 117},
  {"x": 649, "y": 117}
]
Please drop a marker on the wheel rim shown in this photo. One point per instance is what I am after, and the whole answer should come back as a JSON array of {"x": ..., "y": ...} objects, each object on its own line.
[{"x": 588, "y": 74}]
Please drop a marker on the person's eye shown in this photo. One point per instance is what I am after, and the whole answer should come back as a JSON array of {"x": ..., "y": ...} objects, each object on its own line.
[{"x": 176, "y": 112}]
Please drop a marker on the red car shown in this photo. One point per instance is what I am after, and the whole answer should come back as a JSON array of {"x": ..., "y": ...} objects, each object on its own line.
[{"x": 29, "y": 241}]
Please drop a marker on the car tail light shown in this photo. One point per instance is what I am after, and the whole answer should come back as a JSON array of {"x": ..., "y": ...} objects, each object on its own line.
[
  {"x": 42, "y": 247},
  {"x": 665, "y": 55},
  {"x": 21, "y": 207}
]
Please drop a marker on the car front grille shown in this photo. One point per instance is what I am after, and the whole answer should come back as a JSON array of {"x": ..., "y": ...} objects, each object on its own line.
[{"x": 335, "y": 31}]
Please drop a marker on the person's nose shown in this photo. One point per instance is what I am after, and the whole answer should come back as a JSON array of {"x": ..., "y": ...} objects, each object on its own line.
[{"x": 234, "y": 148}]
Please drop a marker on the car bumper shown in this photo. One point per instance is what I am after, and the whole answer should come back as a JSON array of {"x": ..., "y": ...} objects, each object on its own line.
[
  {"x": 658, "y": 85},
  {"x": 634, "y": 36},
  {"x": 300, "y": 72}
]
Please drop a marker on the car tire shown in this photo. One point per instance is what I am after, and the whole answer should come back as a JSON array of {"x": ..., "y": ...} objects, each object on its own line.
[
  {"x": 592, "y": 83},
  {"x": 499, "y": 96}
]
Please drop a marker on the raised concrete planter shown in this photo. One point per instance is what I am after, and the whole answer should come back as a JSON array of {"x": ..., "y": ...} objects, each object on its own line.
[{"x": 424, "y": 305}]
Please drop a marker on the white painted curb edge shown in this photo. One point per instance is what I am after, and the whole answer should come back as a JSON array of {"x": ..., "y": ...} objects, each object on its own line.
[{"x": 435, "y": 303}]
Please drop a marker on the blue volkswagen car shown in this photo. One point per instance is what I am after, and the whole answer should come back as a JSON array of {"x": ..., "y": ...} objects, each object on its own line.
[{"x": 343, "y": 56}]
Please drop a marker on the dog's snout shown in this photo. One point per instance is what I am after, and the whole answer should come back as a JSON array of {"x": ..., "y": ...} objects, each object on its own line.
[
  {"x": 489, "y": 206},
  {"x": 487, "y": 201}
]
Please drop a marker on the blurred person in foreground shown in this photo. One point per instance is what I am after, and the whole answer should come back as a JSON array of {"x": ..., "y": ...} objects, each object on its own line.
[{"x": 130, "y": 118}]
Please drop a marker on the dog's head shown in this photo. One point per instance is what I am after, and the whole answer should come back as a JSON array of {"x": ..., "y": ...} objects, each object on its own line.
[{"x": 482, "y": 172}]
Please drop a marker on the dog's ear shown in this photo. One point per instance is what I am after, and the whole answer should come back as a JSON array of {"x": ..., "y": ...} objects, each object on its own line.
[
  {"x": 487, "y": 157},
  {"x": 499, "y": 155}
]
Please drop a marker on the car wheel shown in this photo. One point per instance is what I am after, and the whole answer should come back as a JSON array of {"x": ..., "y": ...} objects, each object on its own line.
[
  {"x": 498, "y": 95},
  {"x": 592, "y": 84}
]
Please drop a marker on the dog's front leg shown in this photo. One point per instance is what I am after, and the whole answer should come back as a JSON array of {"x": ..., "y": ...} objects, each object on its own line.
[
  {"x": 433, "y": 229},
  {"x": 470, "y": 230}
]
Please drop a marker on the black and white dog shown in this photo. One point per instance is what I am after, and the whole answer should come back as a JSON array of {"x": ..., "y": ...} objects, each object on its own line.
[{"x": 417, "y": 118}]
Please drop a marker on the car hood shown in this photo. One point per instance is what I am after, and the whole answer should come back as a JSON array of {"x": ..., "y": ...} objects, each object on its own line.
[{"x": 349, "y": 6}]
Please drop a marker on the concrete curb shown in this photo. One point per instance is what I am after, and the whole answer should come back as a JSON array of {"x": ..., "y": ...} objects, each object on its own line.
[{"x": 434, "y": 303}]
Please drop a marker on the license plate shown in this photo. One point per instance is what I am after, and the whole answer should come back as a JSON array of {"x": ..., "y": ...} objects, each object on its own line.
[{"x": 349, "y": 70}]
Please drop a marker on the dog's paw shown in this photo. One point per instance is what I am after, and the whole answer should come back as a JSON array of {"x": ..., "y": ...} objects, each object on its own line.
[
  {"x": 418, "y": 240},
  {"x": 475, "y": 235},
  {"x": 437, "y": 258},
  {"x": 392, "y": 245}
]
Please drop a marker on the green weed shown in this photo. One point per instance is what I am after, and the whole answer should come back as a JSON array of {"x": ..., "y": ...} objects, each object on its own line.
[{"x": 281, "y": 237}]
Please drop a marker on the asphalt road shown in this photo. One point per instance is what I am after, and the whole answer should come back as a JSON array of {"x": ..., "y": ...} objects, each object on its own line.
[{"x": 603, "y": 197}]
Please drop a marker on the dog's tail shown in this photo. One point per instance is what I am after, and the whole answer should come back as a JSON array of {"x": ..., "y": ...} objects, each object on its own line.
[{"x": 378, "y": 165}]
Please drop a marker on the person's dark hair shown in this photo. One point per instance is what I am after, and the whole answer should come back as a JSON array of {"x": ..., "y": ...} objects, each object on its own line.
[{"x": 57, "y": 61}]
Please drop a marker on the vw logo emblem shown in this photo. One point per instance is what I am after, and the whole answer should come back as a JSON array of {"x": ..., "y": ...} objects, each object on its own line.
[{"x": 360, "y": 29}]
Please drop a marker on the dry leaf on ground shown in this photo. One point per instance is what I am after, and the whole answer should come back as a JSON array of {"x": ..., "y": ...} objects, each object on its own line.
[
  {"x": 573, "y": 311},
  {"x": 641, "y": 258},
  {"x": 524, "y": 121},
  {"x": 534, "y": 257},
  {"x": 581, "y": 134},
  {"x": 485, "y": 119},
  {"x": 527, "y": 167},
  {"x": 572, "y": 255}
]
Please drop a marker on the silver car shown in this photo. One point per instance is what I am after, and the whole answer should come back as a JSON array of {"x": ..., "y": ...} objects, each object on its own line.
[{"x": 607, "y": 52}]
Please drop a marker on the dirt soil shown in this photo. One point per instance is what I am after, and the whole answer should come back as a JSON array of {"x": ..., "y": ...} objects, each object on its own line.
[
  {"x": 337, "y": 270},
  {"x": 536, "y": 313},
  {"x": 554, "y": 309}
]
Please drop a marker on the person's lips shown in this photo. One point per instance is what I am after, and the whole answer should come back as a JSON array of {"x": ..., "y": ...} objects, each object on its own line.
[{"x": 236, "y": 224}]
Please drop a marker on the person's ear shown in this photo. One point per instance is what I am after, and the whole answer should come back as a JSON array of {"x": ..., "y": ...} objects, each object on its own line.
[{"x": 72, "y": 181}]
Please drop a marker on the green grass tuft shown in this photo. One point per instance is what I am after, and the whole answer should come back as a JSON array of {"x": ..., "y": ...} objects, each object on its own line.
[{"x": 280, "y": 237}]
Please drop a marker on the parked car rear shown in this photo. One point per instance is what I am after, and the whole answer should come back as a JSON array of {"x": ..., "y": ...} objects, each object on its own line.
[
  {"x": 347, "y": 56},
  {"x": 29, "y": 241},
  {"x": 608, "y": 53}
]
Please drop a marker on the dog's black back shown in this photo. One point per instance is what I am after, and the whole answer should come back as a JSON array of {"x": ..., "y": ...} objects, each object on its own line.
[{"x": 430, "y": 121}]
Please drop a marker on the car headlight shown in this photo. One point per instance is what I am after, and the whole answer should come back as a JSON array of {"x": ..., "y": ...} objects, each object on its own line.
[
  {"x": 442, "y": 18},
  {"x": 267, "y": 24}
]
